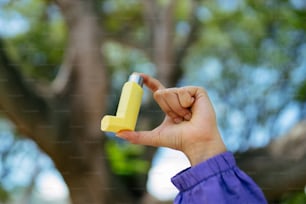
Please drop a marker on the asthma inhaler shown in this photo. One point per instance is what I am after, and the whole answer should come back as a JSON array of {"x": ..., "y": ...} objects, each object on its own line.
[{"x": 128, "y": 108}]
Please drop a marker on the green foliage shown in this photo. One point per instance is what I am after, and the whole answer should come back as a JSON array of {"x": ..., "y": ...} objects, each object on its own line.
[
  {"x": 39, "y": 50},
  {"x": 4, "y": 195},
  {"x": 301, "y": 92},
  {"x": 183, "y": 10},
  {"x": 123, "y": 59},
  {"x": 295, "y": 198},
  {"x": 122, "y": 18},
  {"x": 251, "y": 59},
  {"x": 242, "y": 33},
  {"x": 125, "y": 158}
]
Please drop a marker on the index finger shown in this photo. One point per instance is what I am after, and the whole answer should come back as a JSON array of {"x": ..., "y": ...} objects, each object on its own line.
[{"x": 152, "y": 83}]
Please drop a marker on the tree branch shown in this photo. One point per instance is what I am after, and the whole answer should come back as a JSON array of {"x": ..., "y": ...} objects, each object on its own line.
[
  {"x": 81, "y": 88},
  {"x": 20, "y": 101},
  {"x": 159, "y": 20},
  {"x": 150, "y": 15},
  {"x": 280, "y": 167},
  {"x": 83, "y": 65},
  {"x": 182, "y": 49}
]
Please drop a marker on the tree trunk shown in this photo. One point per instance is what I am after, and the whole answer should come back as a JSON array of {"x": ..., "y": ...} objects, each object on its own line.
[
  {"x": 159, "y": 19},
  {"x": 65, "y": 122},
  {"x": 81, "y": 89}
]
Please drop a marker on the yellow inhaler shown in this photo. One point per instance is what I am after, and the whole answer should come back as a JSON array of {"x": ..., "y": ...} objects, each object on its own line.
[{"x": 128, "y": 108}]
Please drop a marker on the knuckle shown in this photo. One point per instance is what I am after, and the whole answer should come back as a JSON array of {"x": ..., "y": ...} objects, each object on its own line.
[{"x": 158, "y": 94}]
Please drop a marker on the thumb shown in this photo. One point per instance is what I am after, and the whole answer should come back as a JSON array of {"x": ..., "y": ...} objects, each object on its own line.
[{"x": 139, "y": 137}]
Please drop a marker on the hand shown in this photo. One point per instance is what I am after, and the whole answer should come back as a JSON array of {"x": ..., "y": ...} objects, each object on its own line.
[{"x": 189, "y": 125}]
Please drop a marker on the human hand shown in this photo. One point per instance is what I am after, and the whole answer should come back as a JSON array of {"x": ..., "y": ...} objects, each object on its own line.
[{"x": 189, "y": 125}]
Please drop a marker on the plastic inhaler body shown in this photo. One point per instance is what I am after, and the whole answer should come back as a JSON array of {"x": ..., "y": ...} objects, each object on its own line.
[{"x": 128, "y": 108}]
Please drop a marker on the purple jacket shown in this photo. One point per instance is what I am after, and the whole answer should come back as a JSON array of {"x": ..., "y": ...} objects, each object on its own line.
[{"x": 216, "y": 181}]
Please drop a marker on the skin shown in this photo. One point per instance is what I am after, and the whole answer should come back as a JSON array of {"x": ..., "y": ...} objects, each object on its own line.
[{"x": 189, "y": 125}]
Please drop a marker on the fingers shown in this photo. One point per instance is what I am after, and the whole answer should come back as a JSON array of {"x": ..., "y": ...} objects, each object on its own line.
[
  {"x": 140, "y": 137},
  {"x": 152, "y": 83},
  {"x": 171, "y": 106},
  {"x": 186, "y": 96},
  {"x": 176, "y": 102}
]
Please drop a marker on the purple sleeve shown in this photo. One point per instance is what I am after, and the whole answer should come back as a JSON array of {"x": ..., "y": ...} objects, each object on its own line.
[{"x": 217, "y": 180}]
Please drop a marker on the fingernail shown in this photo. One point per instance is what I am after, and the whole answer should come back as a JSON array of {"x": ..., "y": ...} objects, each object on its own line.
[
  {"x": 121, "y": 135},
  {"x": 188, "y": 116},
  {"x": 192, "y": 100},
  {"x": 178, "y": 120}
]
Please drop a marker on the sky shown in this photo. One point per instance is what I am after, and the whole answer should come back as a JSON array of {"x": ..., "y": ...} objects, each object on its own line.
[
  {"x": 167, "y": 163},
  {"x": 51, "y": 186},
  {"x": 11, "y": 23}
]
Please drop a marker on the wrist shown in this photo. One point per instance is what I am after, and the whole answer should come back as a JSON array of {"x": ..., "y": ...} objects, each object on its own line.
[{"x": 202, "y": 151}]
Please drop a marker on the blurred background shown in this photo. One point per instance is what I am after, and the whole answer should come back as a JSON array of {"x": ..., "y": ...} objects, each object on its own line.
[{"x": 63, "y": 64}]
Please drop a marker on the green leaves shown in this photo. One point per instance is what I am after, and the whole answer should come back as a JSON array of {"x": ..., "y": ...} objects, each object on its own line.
[
  {"x": 40, "y": 49},
  {"x": 301, "y": 92},
  {"x": 125, "y": 158},
  {"x": 4, "y": 195}
]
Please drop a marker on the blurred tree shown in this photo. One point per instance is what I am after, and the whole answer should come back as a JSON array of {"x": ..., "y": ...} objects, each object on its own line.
[{"x": 250, "y": 55}]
